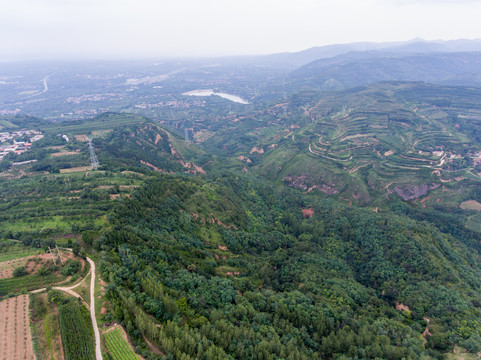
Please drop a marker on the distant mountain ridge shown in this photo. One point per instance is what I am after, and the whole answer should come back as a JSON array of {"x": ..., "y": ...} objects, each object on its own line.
[
  {"x": 301, "y": 58},
  {"x": 361, "y": 68}
]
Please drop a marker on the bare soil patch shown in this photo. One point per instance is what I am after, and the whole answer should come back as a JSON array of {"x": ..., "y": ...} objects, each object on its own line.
[
  {"x": 307, "y": 213},
  {"x": 32, "y": 263},
  {"x": 150, "y": 165},
  {"x": 7, "y": 267},
  {"x": 82, "y": 138},
  {"x": 402, "y": 307},
  {"x": 15, "y": 336},
  {"x": 257, "y": 150},
  {"x": 75, "y": 169},
  {"x": 471, "y": 205},
  {"x": 202, "y": 136},
  {"x": 66, "y": 153}
]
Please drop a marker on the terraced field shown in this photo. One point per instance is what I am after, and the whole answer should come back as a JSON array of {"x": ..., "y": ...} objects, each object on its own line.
[
  {"x": 376, "y": 140},
  {"x": 31, "y": 263},
  {"x": 58, "y": 204},
  {"x": 98, "y": 126},
  {"x": 16, "y": 252}
]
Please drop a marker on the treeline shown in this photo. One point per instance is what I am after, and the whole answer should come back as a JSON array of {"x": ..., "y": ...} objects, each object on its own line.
[{"x": 229, "y": 268}]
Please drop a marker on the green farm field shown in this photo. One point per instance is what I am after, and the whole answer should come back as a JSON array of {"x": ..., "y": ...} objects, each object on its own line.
[
  {"x": 27, "y": 283},
  {"x": 117, "y": 345},
  {"x": 76, "y": 330},
  {"x": 97, "y": 126},
  {"x": 15, "y": 251}
]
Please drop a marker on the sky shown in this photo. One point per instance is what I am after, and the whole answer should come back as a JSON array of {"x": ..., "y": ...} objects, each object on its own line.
[{"x": 49, "y": 29}]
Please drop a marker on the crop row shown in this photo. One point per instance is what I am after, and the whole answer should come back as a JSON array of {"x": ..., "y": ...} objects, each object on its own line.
[
  {"x": 12, "y": 255},
  {"x": 77, "y": 336},
  {"x": 29, "y": 282},
  {"x": 118, "y": 347}
]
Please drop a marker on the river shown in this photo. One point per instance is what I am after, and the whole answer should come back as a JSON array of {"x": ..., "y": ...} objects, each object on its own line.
[{"x": 210, "y": 92}]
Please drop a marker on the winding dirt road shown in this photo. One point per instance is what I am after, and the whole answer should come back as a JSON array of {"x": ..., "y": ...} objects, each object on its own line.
[{"x": 98, "y": 351}]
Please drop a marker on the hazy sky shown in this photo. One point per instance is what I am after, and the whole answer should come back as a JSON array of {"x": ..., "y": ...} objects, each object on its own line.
[{"x": 144, "y": 28}]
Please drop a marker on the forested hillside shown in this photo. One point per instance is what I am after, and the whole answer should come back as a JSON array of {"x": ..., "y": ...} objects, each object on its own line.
[
  {"x": 323, "y": 227},
  {"x": 231, "y": 267}
]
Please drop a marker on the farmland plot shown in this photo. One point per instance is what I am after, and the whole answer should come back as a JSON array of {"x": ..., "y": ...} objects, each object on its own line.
[
  {"x": 45, "y": 328},
  {"x": 76, "y": 331},
  {"x": 17, "y": 252},
  {"x": 118, "y": 346},
  {"x": 15, "y": 336}
]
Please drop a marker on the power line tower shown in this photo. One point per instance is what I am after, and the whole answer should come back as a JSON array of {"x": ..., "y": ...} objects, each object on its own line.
[{"x": 55, "y": 254}]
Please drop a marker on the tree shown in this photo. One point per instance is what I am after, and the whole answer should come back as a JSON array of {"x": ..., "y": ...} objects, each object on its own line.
[{"x": 20, "y": 271}]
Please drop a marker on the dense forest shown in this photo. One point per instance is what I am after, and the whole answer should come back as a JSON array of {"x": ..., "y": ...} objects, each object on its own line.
[{"x": 230, "y": 267}]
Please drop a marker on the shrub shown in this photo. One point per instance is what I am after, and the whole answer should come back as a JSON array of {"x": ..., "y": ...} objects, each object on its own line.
[
  {"x": 44, "y": 270},
  {"x": 71, "y": 267},
  {"x": 20, "y": 271}
]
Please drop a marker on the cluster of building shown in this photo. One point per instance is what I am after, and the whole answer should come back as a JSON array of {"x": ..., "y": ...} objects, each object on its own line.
[
  {"x": 88, "y": 111},
  {"x": 91, "y": 97},
  {"x": 17, "y": 147},
  {"x": 10, "y": 112},
  {"x": 172, "y": 103}
]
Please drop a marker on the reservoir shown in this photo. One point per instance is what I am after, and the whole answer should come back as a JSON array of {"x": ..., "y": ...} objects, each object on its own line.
[{"x": 210, "y": 92}]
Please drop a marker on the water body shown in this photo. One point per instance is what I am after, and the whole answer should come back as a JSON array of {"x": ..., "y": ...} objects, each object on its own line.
[{"x": 210, "y": 92}]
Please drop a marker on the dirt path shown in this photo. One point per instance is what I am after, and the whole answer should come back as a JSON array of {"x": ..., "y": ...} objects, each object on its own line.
[{"x": 98, "y": 351}]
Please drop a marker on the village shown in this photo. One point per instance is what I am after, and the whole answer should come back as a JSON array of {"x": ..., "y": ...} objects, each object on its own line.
[{"x": 17, "y": 142}]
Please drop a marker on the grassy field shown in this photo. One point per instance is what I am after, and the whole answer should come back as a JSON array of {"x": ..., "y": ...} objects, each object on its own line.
[{"x": 118, "y": 346}]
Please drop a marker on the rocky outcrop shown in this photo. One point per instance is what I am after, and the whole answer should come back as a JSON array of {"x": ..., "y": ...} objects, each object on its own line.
[{"x": 411, "y": 192}]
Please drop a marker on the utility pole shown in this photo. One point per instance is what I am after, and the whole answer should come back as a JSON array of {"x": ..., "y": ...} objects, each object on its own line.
[{"x": 93, "y": 158}]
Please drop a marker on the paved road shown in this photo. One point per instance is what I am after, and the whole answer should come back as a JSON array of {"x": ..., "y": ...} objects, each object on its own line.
[{"x": 45, "y": 88}]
